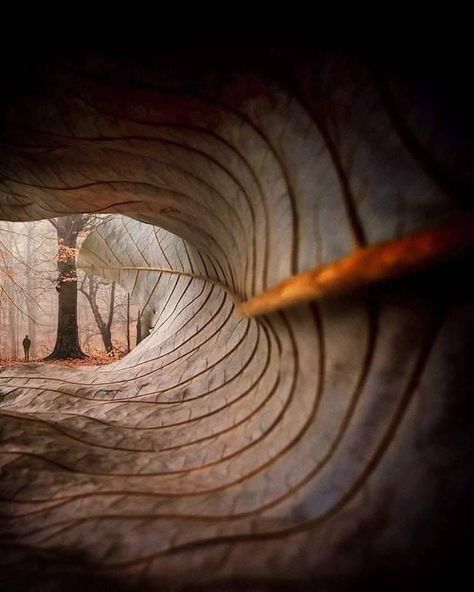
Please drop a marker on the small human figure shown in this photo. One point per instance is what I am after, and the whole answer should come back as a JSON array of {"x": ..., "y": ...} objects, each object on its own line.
[{"x": 26, "y": 347}]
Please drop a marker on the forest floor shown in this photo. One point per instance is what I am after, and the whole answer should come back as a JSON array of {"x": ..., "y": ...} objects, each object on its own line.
[{"x": 95, "y": 360}]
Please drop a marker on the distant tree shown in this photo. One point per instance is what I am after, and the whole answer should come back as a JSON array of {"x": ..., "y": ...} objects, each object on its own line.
[
  {"x": 90, "y": 288},
  {"x": 31, "y": 302},
  {"x": 9, "y": 287},
  {"x": 68, "y": 229},
  {"x": 128, "y": 323}
]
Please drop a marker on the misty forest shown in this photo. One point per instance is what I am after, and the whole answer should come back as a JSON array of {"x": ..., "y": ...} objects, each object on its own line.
[{"x": 66, "y": 313}]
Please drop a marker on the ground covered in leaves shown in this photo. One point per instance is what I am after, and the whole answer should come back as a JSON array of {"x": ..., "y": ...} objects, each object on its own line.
[{"x": 93, "y": 360}]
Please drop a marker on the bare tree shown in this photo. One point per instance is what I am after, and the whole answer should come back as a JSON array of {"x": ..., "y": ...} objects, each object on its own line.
[
  {"x": 90, "y": 288},
  {"x": 31, "y": 302},
  {"x": 9, "y": 289},
  {"x": 128, "y": 323},
  {"x": 67, "y": 338}
]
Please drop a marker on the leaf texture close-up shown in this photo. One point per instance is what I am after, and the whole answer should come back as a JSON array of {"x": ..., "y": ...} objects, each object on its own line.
[{"x": 319, "y": 444}]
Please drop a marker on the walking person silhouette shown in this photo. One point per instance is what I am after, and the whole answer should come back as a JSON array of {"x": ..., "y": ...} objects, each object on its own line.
[{"x": 26, "y": 347}]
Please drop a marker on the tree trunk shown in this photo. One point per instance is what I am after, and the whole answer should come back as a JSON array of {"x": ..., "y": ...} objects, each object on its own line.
[
  {"x": 104, "y": 328},
  {"x": 128, "y": 323},
  {"x": 12, "y": 322},
  {"x": 12, "y": 307},
  {"x": 139, "y": 327},
  {"x": 67, "y": 338},
  {"x": 31, "y": 303}
]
